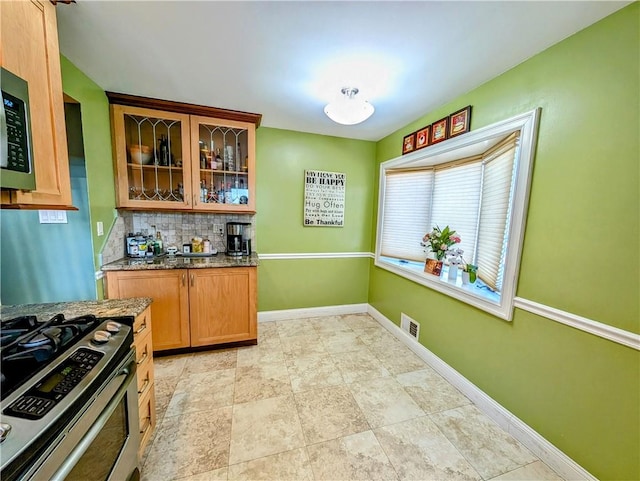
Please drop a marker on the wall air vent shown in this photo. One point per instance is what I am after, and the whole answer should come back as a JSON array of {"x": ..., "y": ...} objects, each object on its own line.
[{"x": 409, "y": 325}]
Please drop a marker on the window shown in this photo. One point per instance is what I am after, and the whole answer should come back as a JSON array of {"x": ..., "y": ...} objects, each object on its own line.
[{"x": 478, "y": 185}]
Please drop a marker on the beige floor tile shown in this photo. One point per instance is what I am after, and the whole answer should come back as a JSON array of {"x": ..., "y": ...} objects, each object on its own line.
[
  {"x": 215, "y": 475},
  {"x": 419, "y": 451},
  {"x": 359, "y": 365},
  {"x": 341, "y": 341},
  {"x": 355, "y": 457},
  {"x": 360, "y": 321},
  {"x": 384, "y": 402},
  {"x": 164, "y": 388},
  {"x": 379, "y": 336},
  {"x": 202, "y": 391},
  {"x": 265, "y": 427},
  {"x": 189, "y": 444},
  {"x": 397, "y": 360},
  {"x": 290, "y": 465},
  {"x": 313, "y": 372},
  {"x": 295, "y": 327},
  {"x": 430, "y": 391},
  {"x": 261, "y": 382},
  {"x": 537, "y": 471},
  {"x": 211, "y": 361},
  {"x": 250, "y": 356},
  {"x": 302, "y": 346},
  {"x": 170, "y": 366},
  {"x": 488, "y": 448},
  {"x": 329, "y": 413},
  {"x": 329, "y": 324}
]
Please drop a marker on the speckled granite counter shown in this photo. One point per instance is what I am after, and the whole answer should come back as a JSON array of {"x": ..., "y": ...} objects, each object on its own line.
[
  {"x": 179, "y": 262},
  {"x": 110, "y": 307}
]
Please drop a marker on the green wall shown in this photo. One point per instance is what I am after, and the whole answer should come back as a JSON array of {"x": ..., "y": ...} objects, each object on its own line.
[
  {"x": 282, "y": 157},
  {"x": 580, "y": 253},
  {"x": 96, "y": 131}
]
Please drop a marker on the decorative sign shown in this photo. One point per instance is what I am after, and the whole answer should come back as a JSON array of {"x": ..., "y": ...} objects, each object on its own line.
[{"x": 324, "y": 198}]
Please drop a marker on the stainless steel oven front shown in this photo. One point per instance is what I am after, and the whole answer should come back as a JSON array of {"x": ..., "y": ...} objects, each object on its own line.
[{"x": 101, "y": 443}]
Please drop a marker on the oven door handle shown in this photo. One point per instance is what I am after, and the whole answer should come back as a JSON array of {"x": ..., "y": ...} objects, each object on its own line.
[{"x": 75, "y": 455}]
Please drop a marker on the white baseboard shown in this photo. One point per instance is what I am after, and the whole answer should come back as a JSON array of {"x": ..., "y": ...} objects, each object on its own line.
[
  {"x": 547, "y": 452},
  {"x": 285, "y": 314}
]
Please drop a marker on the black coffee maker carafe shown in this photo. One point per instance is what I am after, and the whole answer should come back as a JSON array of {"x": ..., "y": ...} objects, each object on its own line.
[{"x": 238, "y": 238}]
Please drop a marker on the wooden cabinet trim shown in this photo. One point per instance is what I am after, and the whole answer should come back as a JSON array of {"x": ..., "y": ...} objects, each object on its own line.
[{"x": 182, "y": 107}]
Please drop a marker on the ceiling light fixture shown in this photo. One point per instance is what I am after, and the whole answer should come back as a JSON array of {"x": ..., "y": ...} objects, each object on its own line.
[{"x": 348, "y": 110}]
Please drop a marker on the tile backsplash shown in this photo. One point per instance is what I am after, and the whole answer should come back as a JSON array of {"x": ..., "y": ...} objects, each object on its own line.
[{"x": 177, "y": 228}]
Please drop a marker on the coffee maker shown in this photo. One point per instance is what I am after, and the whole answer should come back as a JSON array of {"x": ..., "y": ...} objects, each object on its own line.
[{"x": 238, "y": 241}]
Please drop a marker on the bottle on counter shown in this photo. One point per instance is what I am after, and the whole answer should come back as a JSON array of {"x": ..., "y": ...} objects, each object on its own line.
[{"x": 157, "y": 250}]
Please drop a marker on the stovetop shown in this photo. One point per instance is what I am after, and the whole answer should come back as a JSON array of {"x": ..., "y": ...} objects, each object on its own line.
[{"x": 27, "y": 345}]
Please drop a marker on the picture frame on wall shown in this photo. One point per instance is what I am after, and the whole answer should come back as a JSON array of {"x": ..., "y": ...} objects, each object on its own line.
[
  {"x": 409, "y": 143},
  {"x": 422, "y": 137},
  {"x": 439, "y": 131},
  {"x": 460, "y": 121}
]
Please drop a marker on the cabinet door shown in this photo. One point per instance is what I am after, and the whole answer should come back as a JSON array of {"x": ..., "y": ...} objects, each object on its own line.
[
  {"x": 170, "y": 307},
  {"x": 222, "y": 305},
  {"x": 152, "y": 158},
  {"x": 29, "y": 49},
  {"x": 223, "y": 156}
]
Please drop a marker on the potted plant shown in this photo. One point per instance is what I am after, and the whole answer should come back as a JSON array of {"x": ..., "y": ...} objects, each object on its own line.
[
  {"x": 438, "y": 241},
  {"x": 469, "y": 272}
]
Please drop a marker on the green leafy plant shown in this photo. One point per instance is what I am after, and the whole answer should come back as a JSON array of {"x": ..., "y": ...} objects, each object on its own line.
[
  {"x": 439, "y": 241},
  {"x": 472, "y": 270}
]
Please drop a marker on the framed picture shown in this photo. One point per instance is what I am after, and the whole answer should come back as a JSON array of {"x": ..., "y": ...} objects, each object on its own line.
[
  {"x": 460, "y": 121},
  {"x": 439, "y": 130},
  {"x": 433, "y": 266},
  {"x": 409, "y": 143},
  {"x": 422, "y": 137}
]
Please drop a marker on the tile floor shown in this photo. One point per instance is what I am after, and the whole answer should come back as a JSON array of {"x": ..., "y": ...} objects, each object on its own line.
[{"x": 328, "y": 398}]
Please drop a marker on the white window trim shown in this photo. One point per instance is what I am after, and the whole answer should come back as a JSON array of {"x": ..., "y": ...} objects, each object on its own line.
[{"x": 527, "y": 123}]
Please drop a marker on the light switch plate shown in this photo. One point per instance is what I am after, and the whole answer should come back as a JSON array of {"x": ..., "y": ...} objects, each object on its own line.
[
  {"x": 99, "y": 228},
  {"x": 53, "y": 216}
]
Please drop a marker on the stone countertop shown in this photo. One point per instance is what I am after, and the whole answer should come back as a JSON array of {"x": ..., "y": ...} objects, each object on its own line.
[
  {"x": 106, "y": 308},
  {"x": 180, "y": 262}
]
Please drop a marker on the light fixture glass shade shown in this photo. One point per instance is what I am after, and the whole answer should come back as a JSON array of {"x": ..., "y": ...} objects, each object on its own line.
[{"x": 348, "y": 110}]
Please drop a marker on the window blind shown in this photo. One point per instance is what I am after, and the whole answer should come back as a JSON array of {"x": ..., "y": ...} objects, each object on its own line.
[
  {"x": 456, "y": 199},
  {"x": 406, "y": 216},
  {"x": 494, "y": 213}
]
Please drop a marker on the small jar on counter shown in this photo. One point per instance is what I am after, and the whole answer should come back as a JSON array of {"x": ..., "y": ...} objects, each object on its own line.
[
  {"x": 206, "y": 246},
  {"x": 196, "y": 244}
]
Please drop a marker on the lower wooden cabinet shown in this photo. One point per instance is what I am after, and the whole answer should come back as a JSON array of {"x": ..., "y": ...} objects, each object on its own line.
[
  {"x": 193, "y": 307},
  {"x": 170, "y": 307},
  {"x": 222, "y": 305},
  {"x": 142, "y": 340}
]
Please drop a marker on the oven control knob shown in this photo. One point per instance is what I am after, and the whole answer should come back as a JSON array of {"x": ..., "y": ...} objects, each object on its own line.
[
  {"x": 100, "y": 337},
  {"x": 5, "y": 429},
  {"x": 113, "y": 327}
]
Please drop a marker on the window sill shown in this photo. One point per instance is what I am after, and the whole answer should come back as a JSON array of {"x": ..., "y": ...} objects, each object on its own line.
[{"x": 477, "y": 294}]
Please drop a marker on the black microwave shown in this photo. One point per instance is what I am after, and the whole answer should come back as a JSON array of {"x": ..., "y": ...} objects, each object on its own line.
[{"x": 16, "y": 151}]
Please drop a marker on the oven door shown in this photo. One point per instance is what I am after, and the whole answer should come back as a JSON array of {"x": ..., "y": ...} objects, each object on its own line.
[{"x": 102, "y": 444}]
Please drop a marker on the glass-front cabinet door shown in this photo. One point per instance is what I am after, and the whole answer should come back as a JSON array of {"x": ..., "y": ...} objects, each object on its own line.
[
  {"x": 223, "y": 164},
  {"x": 153, "y": 158}
]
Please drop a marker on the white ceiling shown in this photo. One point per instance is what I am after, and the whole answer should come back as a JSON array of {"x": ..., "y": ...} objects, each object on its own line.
[{"x": 286, "y": 60}]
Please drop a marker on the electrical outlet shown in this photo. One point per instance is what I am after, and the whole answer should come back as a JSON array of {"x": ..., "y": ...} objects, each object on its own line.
[{"x": 218, "y": 229}]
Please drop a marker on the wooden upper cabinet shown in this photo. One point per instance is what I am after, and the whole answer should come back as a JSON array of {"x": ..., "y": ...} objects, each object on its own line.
[
  {"x": 177, "y": 156},
  {"x": 150, "y": 148},
  {"x": 29, "y": 49}
]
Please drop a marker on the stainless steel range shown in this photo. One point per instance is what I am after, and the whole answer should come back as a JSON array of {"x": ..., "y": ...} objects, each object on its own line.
[{"x": 68, "y": 399}]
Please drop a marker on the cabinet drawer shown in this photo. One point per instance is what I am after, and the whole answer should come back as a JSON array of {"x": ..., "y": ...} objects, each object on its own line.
[
  {"x": 144, "y": 348},
  {"x": 142, "y": 324},
  {"x": 147, "y": 411},
  {"x": 145, "y": 377}
]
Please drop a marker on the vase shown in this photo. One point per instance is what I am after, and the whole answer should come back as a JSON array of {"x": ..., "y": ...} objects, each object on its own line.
[
  {"x": 465, "y": 278},
  {"x": 453, "y": 272}
]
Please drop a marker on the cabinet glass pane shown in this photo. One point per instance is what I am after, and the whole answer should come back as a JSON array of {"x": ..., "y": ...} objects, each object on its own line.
[
  {"x": 154, "y": 158},
  {"x": 223, "y": 165}
]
